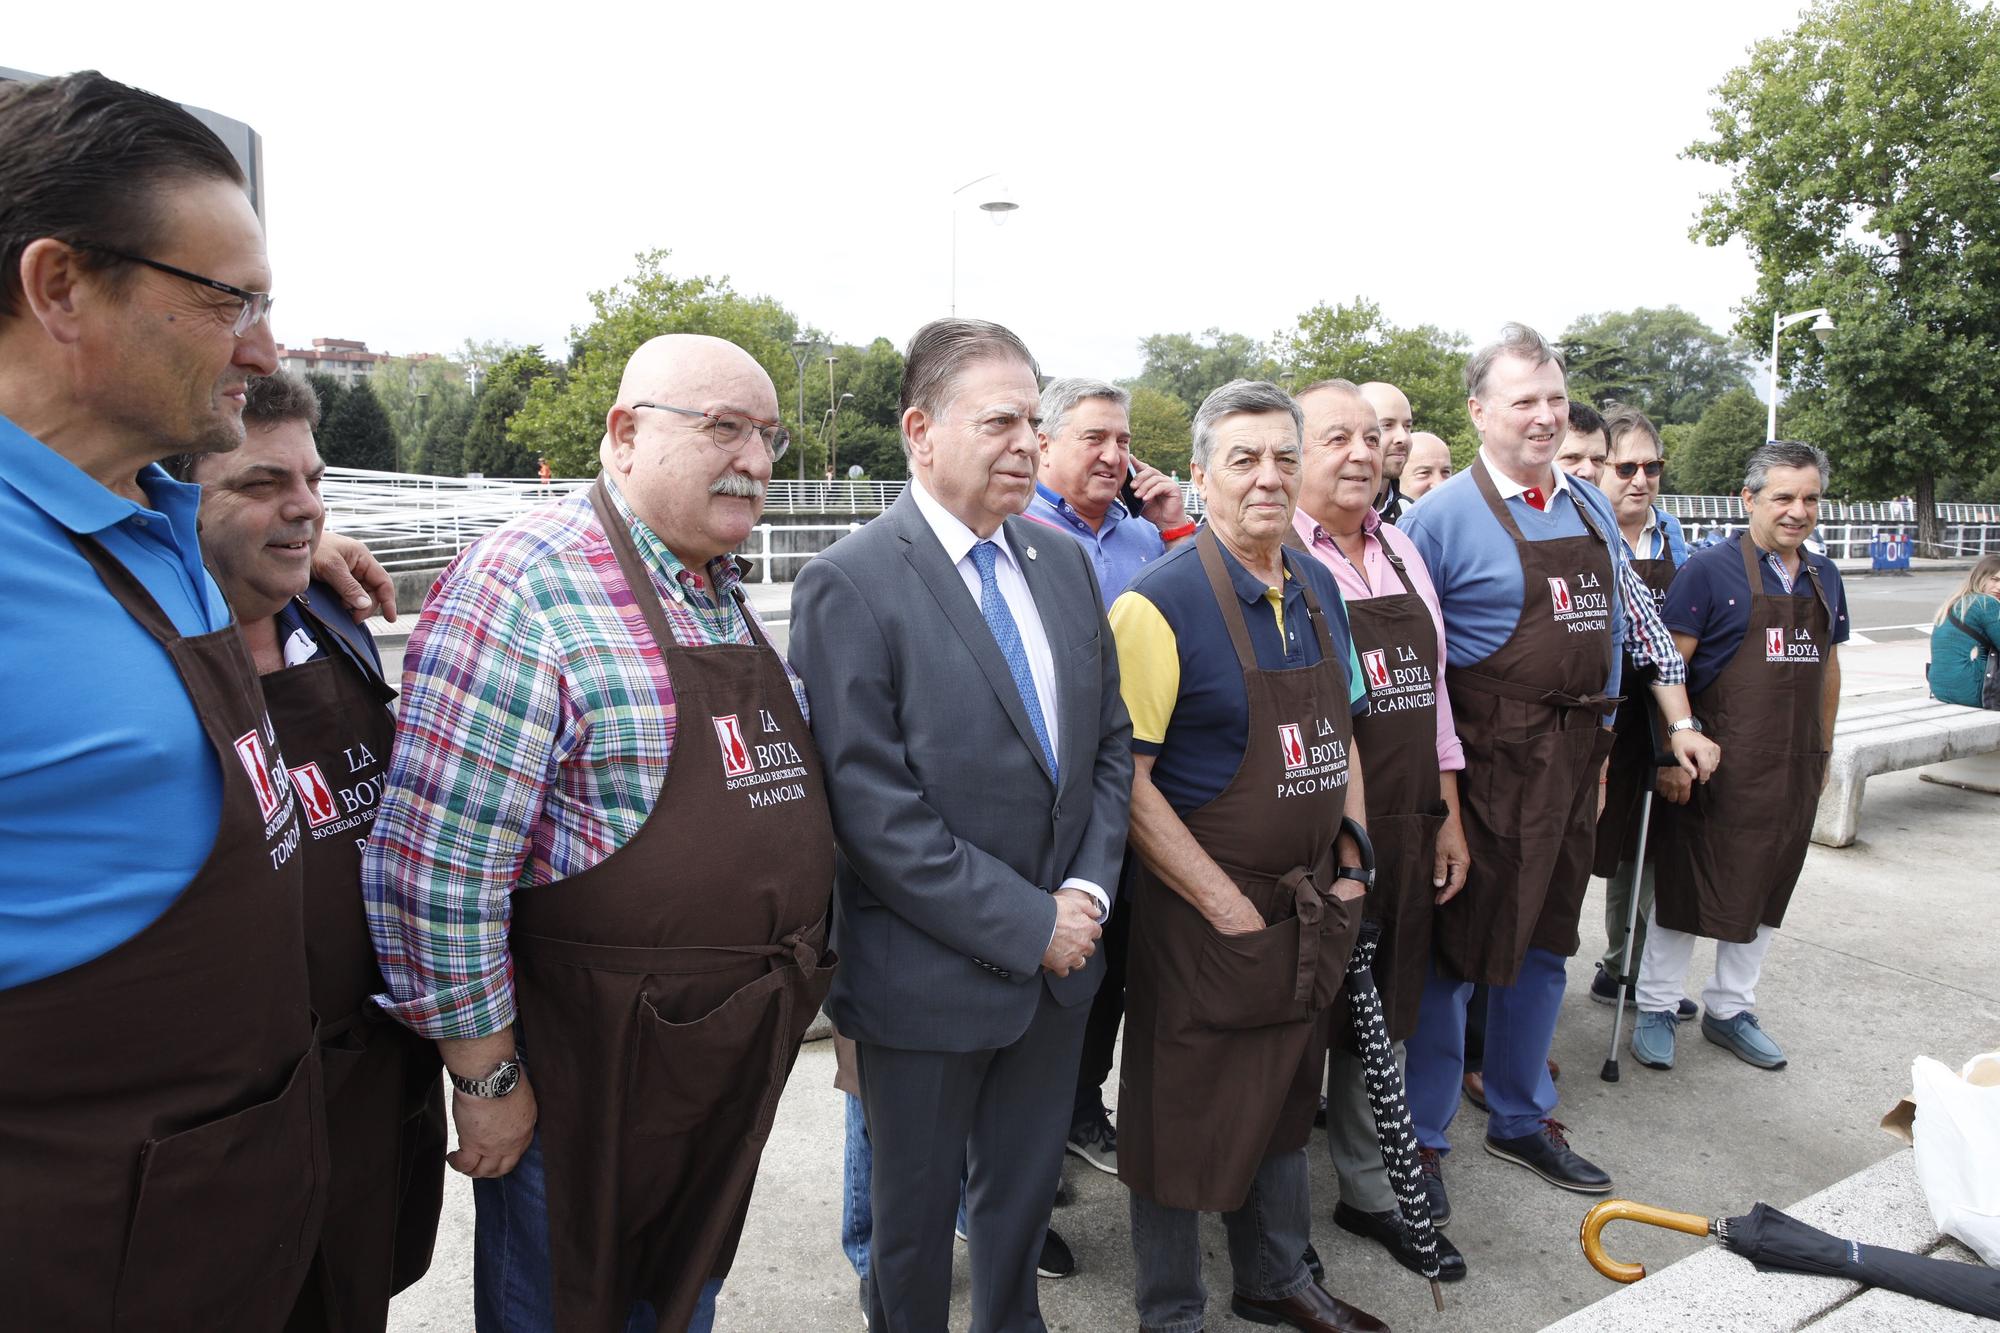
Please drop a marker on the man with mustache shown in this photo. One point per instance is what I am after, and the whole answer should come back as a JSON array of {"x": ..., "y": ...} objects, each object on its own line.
[
  {"x": 1392, "y": 410},
  {"x": 1535, "y": 615},
  {"x": 600, "y": 874},
  {"x": 261, "y": 518},
  {"x": 1759, "y": 618}
]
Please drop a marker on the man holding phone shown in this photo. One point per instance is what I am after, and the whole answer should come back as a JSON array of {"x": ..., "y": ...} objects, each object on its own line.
[{"x": 1092, "y": 488}]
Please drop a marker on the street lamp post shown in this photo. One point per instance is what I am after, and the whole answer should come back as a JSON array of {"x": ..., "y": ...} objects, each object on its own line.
[
  {"x": 802, "y": 350},
  {"x": 996, "y": 208},
  {"x": 1822, "y": 326},
  {"x": 833, "y": 434}
]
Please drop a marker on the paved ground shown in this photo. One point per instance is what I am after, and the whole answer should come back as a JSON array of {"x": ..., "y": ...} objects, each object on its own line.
[{"x": 1889, "y": 952}]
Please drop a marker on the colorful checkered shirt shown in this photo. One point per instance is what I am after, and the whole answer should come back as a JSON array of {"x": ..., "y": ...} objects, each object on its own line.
[{"x": 533, "y": 736}]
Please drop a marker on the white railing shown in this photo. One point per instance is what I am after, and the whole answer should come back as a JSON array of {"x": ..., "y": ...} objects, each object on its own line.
[{"x": 416, "y": 522}]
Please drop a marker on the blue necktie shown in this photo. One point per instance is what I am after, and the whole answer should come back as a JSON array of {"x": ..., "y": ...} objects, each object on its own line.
[{"x": 999, "y": 619}]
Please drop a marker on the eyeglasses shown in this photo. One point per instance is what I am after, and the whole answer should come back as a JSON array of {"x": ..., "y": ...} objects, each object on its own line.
[
  {"x": 1625, "y": 471},
  {"x": 728, "y": 430},
  {"x": 256, "y": 305}
]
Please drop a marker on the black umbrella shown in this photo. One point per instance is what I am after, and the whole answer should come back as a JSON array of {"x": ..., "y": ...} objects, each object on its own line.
[
  {"x": 1777, "y": 1242},
  {"x": 1384, "y": 1084}
]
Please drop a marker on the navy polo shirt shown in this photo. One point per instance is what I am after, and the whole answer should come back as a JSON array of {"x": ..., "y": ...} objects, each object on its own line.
[
  {"x": 1178, "y": 670},
  {"x": 1710, "y": 599},
  {"x": 109, "y": 791}
]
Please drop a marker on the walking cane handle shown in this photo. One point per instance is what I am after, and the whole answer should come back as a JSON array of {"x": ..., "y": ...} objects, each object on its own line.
[{"x": 1624, "y": 1210}]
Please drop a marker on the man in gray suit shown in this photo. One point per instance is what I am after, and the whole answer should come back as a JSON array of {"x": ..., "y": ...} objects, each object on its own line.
[{"x": 979, "y": 767}]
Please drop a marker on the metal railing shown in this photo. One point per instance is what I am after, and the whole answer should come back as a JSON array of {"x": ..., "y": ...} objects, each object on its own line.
[{"x": 417, "y": 522}]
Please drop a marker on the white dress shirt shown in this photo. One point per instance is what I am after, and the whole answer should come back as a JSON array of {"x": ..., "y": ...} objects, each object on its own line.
[{"x": 958, "y": 541}]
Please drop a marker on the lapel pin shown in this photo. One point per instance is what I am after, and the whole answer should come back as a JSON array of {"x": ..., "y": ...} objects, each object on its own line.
[{"x": 1031, "y": 553}]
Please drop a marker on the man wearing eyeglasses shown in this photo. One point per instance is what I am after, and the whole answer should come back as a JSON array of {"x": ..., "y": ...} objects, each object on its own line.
[
  {"x": 600, "y": 875},
  {"x": 161, "y": 1149}
]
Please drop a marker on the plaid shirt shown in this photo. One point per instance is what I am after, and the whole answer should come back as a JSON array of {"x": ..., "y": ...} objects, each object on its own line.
[
  {"x": 534, "y": 733},
  {"x": 1646, "y": 635}
]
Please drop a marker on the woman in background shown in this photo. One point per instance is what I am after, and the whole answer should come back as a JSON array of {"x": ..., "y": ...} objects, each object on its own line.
[{"x": 1958, "y": 658}]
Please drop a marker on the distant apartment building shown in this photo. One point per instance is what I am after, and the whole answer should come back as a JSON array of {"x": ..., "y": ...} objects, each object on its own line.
[{"x": 343, "y": 360}]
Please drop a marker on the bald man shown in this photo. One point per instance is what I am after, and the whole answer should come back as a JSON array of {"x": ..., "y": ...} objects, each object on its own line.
[
  {"x": 1428, "y": 464},
  {"x": 600, "y": 873},
  {"x": 1392, "y": 410}
]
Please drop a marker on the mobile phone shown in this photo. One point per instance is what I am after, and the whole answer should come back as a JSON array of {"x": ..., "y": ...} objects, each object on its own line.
[{"x": 1126, "y": 495}]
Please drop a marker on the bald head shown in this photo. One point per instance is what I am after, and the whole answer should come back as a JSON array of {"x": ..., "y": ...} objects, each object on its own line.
[
  {"x": 1392, "y": 409},
  {"x": 1429, "y": 463},
  {"x": 698, "y": 497}
]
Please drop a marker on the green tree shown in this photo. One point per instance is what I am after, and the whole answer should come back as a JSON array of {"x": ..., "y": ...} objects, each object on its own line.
[
  {"x": 562, "y": 419},
  {"x": 1191, "y": 368},
  {"x": 441, "y": 450},
  {"x": 1707, "y": 458},
  {"x": 491, "y": 448},
  {"x": 1859, "y": 146},
  {"x": 1354, "y": 342},
  {"x": 1160, "y": 433},
  {"x": 870, "y": 432},
  {"x": 1666, "y": 363},
  {"x": 412, "y": 391},
  {"x": 354, "y": 431}
]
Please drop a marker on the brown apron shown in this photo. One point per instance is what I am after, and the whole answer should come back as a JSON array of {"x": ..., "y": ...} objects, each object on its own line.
[
  {"x": 1531, "y": 720},
  {"x": 664, "y": 991},
  {"x": 1732, "y": 855},
  {"x": 1632, "y": 772},
  {"x": 1225, "y": 1035},
  {"x": 162, "y": 1150},
  {"x": 384, "y": 1085},
  {"x": 1396, "y": 642}
]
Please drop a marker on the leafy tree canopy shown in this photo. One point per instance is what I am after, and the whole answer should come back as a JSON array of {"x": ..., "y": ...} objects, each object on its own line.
[
  {"x": 491, "y": 448},
  {"x": 1707, "y": 457},
  {"x": 1666, "y": 363},
  {"x": 1355, "y": 342}
]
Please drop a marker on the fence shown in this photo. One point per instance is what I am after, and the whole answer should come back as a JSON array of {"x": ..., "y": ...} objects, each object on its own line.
[{"x": 413, "y": 522}]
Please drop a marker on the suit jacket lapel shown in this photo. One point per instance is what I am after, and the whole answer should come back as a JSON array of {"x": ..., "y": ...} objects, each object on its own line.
[
  {"x": 926, "y": 556},
  {"x": 1052, "y": 606}
]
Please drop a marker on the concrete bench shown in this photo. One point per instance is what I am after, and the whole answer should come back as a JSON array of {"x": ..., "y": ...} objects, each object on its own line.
[
  {"x": 1716, "y": 1291},
  {"x": 1886, "y": 737}
]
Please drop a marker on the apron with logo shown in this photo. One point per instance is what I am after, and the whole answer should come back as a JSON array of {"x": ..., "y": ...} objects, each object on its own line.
[
  {"x": 1632, "y": 769},
  {"x": 1730, "y": 858},
  {"x": 163, "y": 1161},
  {"x": 1396, "y": 642},
  {"x": 1531, "y": 720},
  {"x": 664, "y": 991},
  {"x": 384, "y": 1085},
  {"x": 1225, "y": 1035}
]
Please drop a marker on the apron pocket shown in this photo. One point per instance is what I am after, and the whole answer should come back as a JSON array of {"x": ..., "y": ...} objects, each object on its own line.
[
  {"x": 260, "y": 1173},
  {"x": 686, "y": 1074},
  {"x": 1249, "y": 981}
]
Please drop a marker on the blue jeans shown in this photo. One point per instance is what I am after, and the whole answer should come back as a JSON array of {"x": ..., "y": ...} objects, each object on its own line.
[
  {"x": 857, "y": 1207},
  {"x": 1520, "y": 1024},
  {"x": 512, "y": 1284}
]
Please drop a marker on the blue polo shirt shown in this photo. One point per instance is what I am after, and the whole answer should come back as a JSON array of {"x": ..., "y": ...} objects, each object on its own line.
[
  {"x": 1477, "y": 571},
  {"x": 1710, "y": 599},
  {"x": 109, "y": 791},
  {"x": 1119, "y": 549},
  {"x": 1178, "y": 670}
]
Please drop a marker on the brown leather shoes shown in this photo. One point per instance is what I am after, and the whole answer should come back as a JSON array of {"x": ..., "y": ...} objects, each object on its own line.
[{"x": 1314, "y": 1309}]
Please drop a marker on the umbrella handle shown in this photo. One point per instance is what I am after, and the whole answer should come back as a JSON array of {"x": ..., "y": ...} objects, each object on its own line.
[{"x": 1624, "y": 1210}]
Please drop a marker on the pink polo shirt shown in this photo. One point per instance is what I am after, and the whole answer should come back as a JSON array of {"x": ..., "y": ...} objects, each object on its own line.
[{"x": 1376, "y": 579}]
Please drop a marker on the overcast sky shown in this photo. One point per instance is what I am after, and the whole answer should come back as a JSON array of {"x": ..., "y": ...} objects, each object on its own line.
[{"x": 437, "y": 174}]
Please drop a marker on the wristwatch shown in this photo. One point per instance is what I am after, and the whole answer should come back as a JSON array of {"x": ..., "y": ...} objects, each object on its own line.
[
  {"x": 506, "y": 1076},
  {"x": 1688, "y": 723}
]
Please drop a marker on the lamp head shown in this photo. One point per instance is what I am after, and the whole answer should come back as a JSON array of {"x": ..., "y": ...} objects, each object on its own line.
[{"x": 1822, "y": 327}]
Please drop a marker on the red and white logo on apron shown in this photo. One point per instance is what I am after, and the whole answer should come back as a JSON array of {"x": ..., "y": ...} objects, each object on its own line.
[
  {"x": 1375, "y": 665},
  {"x": 1774, "y": 645},
  {"x": 314, "y": 793},
  {"x": 250, "y": 749},
  {"x": 1559, "y": 596},
  {"x": 735, "y": 754},
  {"x": 1292, "y": 744}
]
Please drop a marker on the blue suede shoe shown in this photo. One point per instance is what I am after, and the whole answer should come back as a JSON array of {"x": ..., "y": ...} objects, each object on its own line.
[
  {"x": 1744, "y": 1036},
  {"x": 1653, "y": 1039}
]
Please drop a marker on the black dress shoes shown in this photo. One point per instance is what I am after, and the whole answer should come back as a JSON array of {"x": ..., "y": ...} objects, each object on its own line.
[
  {"x": 1312, "y": 1309},
  {"x": 1547, "y": 1153},
  {"x": 1387, "y": 1230}
]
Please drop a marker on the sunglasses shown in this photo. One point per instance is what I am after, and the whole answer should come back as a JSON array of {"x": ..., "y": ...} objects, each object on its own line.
[{"x": 1626, "y": 471}]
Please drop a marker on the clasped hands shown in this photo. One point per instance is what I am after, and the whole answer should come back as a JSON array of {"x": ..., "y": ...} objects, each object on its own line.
[{"x": 1077, "y": 929}]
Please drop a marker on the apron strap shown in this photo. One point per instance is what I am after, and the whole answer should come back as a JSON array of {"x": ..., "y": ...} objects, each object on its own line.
[
  {"x": 633, "y": 566},
  {"x": 1210, "y": 548},
  {"x": 796, "y": 946},
  {"x": 126, "y": 590},
  {"x": 1484, "y": 479},
  {"x": 1754, "y": 573},
  {"x": 345, "y": 646},
  {"x": 1297, "y": 884},
  {"x": 1467, "y": 678}
]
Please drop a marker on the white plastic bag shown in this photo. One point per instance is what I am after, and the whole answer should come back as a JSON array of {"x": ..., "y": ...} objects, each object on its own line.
[{"x": 1957, "y": 1135}]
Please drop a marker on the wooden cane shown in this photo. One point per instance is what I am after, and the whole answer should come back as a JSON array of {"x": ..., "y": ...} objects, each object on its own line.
[{"x": 1624, "y": 1210}]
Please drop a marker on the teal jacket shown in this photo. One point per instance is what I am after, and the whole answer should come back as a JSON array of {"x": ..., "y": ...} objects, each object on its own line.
[{"x": 1958, "y": 662}]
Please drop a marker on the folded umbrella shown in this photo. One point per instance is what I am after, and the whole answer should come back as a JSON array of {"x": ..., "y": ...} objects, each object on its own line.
[{"x": 1778, "y": 1242}]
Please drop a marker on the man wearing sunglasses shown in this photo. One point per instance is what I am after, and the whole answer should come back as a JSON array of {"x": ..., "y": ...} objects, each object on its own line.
[
  {"x": 600, "y": 873},
  {"x": 1655, "y": 548},
  {"x": 161, "y": 1147}
]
